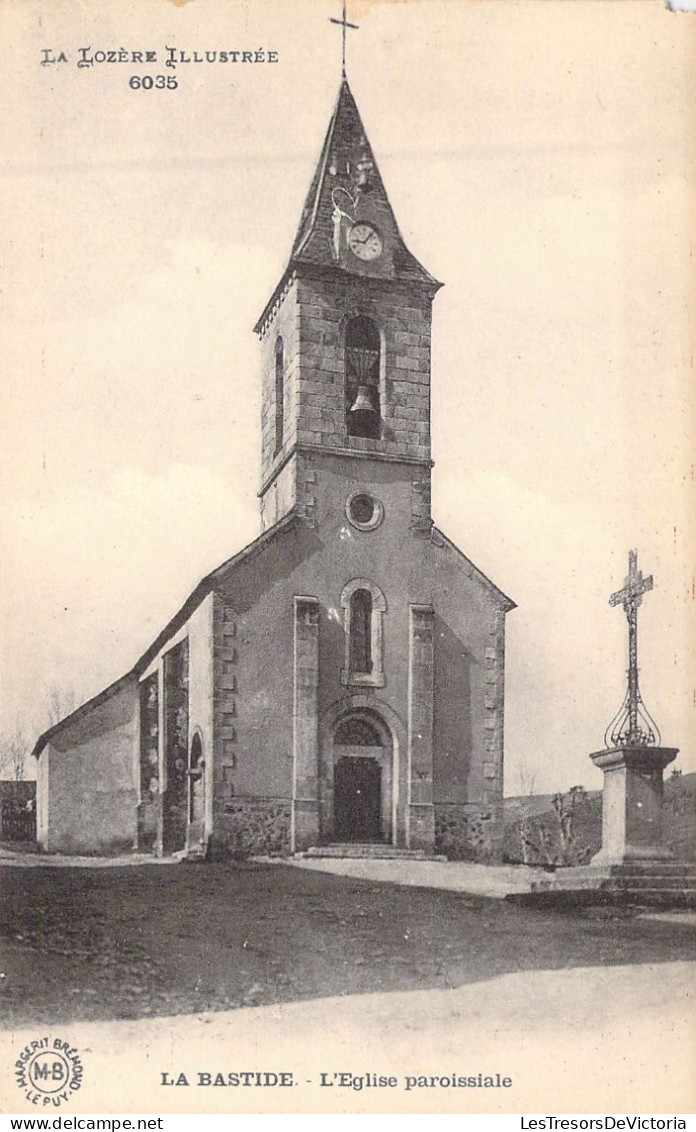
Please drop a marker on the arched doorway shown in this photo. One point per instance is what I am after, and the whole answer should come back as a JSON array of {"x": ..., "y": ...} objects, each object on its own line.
[
  {"x": 362, "y": 779},
  {"x": 196, "y": 792}
]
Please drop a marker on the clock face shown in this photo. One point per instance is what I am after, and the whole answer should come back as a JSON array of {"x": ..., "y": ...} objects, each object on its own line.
[{"x": 364, "y": 241}]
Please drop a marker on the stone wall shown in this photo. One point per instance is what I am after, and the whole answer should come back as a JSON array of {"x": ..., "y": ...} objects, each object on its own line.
[
  {"x": 86, "y": 785},
  {"x": 679, "y": 816},
  {"x": 403, "y": 315},
  {"x": 251, "y": 826},
  {"x": 468, "y": 832},
  {"x": 310, "y": 316},
  {"x": 244, "y": 822},
  {"x": 282, "y": 323},
  {"x": 149, "y": 762},
  {"x": 535, "y": 813},
  {"x": 226, "y": 643}
]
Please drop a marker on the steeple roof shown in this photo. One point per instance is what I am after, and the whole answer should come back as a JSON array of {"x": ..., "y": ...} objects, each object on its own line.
[{"x": 347, "y": 189}]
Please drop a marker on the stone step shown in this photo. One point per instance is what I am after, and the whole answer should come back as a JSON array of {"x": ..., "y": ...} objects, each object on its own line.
[
  {"x": 618, "y": 883},
  {"x": 619, "y": 890},
  {"x": 369, "y": 851},
  {"x": 193, "y": 853},
  {"x": 647, "y": 869},
  {"x": 634, "y": 883},
  {"x": 664, "y": 897}
]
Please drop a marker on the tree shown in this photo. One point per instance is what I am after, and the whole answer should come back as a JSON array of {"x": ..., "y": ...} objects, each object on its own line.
[
  {"x": 60, "y": 702},
  {"x": 527, "y": 780},
  {"x": 14, "y": 749},
  {"x": 556, "y": 844},
  {"x": 16, "y": 741}
]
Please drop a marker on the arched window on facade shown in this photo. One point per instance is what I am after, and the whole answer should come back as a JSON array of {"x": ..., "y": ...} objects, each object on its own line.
[
  {"x": 362, "y": 378},
  {"x": 279, "y": 396},
  {"x": 360, "y": 661},
  {"x": 363, "y": 605}
]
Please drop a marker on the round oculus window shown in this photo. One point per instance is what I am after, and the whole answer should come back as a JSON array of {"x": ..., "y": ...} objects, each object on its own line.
[{"x": 364, "y": 511}]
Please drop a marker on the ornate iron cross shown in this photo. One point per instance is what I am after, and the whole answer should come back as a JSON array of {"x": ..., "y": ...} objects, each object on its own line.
[
  {"x": 343, "y": 23},
  {"x": 633, "y": 724}
]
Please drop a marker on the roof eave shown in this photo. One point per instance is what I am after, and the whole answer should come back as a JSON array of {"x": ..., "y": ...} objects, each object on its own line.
[
  {"x": 88, "y": 705},
  {"x": 506, "y": 603},
  {"x": 204, "y": 587}
]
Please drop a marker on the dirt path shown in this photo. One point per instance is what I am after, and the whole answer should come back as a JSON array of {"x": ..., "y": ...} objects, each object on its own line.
[{"x": 135, "y": 942}]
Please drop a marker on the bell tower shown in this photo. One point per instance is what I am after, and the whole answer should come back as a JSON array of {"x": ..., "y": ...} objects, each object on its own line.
[{"x": 346, "y": 340}]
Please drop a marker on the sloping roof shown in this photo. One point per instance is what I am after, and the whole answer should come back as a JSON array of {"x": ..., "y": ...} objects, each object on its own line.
[
  {"x": 440, "y": 539},
  {"x": 346, "y": 155},
  {"x": 347, "y": 177},
  {"x": 83, "y": 709},
  {"x": 204, "y": 587}
]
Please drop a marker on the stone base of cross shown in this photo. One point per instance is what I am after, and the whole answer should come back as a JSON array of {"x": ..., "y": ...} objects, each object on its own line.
[{"x": 632, "y": 803}]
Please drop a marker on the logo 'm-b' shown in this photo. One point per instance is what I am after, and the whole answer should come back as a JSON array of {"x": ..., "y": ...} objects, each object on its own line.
[
  {"x": 49, "y": 1071},
  {"x": 56, "y": 1071}
]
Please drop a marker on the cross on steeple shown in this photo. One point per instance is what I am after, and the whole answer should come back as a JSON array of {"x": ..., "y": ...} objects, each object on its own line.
[
  {"x": 628, "y": 726},
  {"x": 343, "y": 23}
]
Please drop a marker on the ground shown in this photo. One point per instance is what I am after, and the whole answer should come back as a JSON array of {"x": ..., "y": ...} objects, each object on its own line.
[{"x": 121, "y": 943}]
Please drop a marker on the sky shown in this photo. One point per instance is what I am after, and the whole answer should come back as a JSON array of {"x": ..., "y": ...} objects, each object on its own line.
[{"x": 540, "y": 161}]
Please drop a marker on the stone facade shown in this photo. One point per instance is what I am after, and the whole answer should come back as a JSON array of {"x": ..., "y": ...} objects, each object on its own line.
[
  {"x": 226, "y": 716},
  {"x": 468, "y": 833},
  {"x": 343, "y": 676},
  {"x": 87, "y": 797},
  {"x": 305, "y": 789},
  {"x": 252, "y": 826},
  {"x": 310, "y": 318}
]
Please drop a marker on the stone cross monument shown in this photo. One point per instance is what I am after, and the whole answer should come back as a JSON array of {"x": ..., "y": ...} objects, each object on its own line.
[
  {"x": 633, "y": 760},
  {"x": 632, "y": 867}
]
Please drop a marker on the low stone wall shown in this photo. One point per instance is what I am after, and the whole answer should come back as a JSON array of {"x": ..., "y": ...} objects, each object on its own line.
[
  {"x": 532, "y": 819},
  {"x": 250, "y": 826},
  {"x": 679, "y": 816},
  {"x": 468, "y": 833}
]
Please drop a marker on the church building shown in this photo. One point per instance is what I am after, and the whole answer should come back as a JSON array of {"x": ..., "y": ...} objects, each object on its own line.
[{"x": 341, "y": 679}]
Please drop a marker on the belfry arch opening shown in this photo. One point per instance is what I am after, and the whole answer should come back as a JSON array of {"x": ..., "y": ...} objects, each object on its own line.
[{"x": 363, "y": 357}]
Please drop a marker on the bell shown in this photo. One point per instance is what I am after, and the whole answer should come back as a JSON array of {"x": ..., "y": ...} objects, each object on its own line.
[{"x": 363, "y": 401}]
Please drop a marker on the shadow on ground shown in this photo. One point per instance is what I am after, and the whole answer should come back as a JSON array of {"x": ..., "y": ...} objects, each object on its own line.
[{"x": 137, "y": 941}]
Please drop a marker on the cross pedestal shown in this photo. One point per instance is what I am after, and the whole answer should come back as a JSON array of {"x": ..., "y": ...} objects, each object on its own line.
[
  {"x": 632, "y": 803},
  {"x": 632, "y": 867}
]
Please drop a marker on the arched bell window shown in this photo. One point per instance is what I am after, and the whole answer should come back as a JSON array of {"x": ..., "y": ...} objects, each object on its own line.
[
  {"x": 279, "y": 396},
  {"x": 364, "y": 606},
  {"x": 362, "y": 378}
]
